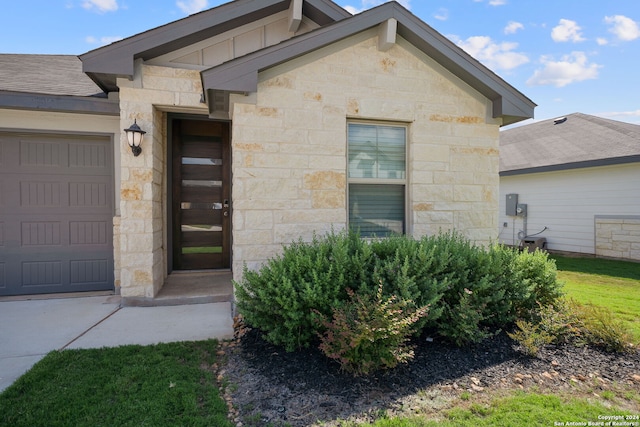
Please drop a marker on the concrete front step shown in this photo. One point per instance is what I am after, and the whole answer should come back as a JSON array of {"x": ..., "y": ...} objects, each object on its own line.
[{"x": 192, "y": 287}]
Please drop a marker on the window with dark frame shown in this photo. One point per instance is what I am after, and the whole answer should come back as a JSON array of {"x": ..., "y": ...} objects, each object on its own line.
[{"x": 377, "y": 179}]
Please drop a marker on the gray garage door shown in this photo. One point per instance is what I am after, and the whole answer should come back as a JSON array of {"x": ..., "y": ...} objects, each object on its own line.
[{"x": 56, "y": 214}]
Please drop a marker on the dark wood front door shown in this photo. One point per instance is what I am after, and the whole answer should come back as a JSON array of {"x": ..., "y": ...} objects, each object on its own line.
[{"x": 200, "y": 195}]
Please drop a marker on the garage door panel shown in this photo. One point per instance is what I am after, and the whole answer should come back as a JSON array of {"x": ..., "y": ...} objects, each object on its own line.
[
  {"x": 89, "y": 233},
  {"x": 88, "y": 194},
  {"x": 88, "y": 271},
  {"x": 56, "y": 226},
  {"x": 68, "y": 272},
  {"x": 89, "y": 155},
  {"x": 40, "y": 233},
  {"x": 41, "y": 153},
  {"x": 42, "y": 273}
]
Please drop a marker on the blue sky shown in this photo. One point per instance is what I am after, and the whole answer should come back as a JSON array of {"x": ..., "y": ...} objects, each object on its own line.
[{"x": 566, "y": 55}]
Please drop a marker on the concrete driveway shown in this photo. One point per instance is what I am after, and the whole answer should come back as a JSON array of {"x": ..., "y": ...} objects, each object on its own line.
[{"x": 30, "y": 329}]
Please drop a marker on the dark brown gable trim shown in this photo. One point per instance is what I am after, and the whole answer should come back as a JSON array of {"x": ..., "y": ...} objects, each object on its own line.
[
  {"x": 575, "y": 165},
  {"x": 60, "y": 103},
  {"x": 107, "y": 63},
  {"x": 241, "y": 74}
]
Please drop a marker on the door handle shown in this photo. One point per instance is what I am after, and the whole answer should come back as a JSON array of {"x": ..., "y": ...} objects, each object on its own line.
[{"x": 225, "y": 213}]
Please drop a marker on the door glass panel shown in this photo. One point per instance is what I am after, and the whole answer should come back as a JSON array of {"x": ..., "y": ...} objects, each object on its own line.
[
  {"x": 201, "y": 227},
  {"x": 192, "y": 205},
  {"x": 200, "y": 183},
  {"x": 201, "y": 161},
  {"x": 203, "y": 250}
]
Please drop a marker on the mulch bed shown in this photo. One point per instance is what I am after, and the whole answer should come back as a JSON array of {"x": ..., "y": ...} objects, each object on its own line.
[{"x": 270, "y": 387}]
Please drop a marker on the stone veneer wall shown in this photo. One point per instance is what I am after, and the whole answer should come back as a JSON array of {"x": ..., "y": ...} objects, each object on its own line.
[
  {"x": 618, "y": 237},
  {"x": 289, "y": 146},
  {"x": 141, "y": 254}
]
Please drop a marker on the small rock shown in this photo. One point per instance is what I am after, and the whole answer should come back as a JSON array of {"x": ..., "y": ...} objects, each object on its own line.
[
  {"x": 636, "y": 378},
  {"x": 518, "y": 380},
  {"x": 547, "y": 375},
  {"x": 554, "y": 363},
  {"x": 476, "y": 388},
  {"x": 475, "y": 380}
]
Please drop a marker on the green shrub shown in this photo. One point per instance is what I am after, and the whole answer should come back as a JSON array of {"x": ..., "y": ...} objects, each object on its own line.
[
  {"x": 463, "y": 320},
  {"x": 568, "y": 321},
  {"x": 470, "y": 290},
  {"x": 602, "y": 329},
  {"x": 530, "y": 336},
  {"x": 536, "y": 273},
  {"x": 370, "y": 332},
  {"x": 281, "y": 299}
]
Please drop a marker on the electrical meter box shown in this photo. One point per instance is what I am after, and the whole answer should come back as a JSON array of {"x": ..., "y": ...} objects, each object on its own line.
[
  {"x": 512, "y": 204},
  {"x": 521, "y": 209}
]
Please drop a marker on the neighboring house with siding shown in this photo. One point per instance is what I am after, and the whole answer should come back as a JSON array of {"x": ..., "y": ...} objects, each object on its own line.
[
  {"x": 265, "y": 122},
  {"x": 579, "y": 177}
]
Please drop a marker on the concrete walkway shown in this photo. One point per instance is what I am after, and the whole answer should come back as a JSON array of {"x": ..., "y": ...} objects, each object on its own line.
[{"x": 30, "y": 329}]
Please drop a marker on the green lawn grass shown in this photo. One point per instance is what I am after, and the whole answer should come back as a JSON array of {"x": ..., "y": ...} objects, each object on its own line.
[
  {"x": 165, "y": 384},
  {"x": 608, "y": 283},
  {"x": 518, "y": 409}
]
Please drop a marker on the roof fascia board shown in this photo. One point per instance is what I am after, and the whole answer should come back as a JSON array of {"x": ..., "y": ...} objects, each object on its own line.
[
  {"x": 324, "y": 12},
  {"x": 234, "y": 75},
  {"x": 59, "y": 103},
  {"x": 246, "y": 16},
  {"x": 575, "y": 165},
  {"x": 117, "y": 58}
]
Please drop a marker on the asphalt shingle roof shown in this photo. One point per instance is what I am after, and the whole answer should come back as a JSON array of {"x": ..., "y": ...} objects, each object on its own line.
[
  {"x": 45, "y": 74},
  {"x": 580, "y": 140}
]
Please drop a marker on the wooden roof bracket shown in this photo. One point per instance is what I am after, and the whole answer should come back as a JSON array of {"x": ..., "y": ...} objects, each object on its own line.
[
  {"x": 295, "y": 15},
  {"x": 387, "y": 34}
]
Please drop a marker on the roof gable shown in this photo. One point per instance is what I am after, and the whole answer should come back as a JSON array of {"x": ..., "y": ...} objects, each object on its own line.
[
  {"x": 577, "y": 142},
  {"x": 241, "y": 74},
  {"x": 235, "y": 43},
  {"x": 107, "y": 63}
]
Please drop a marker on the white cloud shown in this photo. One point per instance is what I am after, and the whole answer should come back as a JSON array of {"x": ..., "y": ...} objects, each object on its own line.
[
  {"x": 101, "y": 5},
  {"x": 496, "y": 56},
  {"x": 512, "y": 27},
  {"x": 368, "y": 4},
  {"x": 442, "y": 14},
  {"x": 602, "y": 41},
  {"x": 103, "y": 40},
  {"x": 623, "y": 116},
  {"x": 572, "y": 68},
  {"x": 192, "y": 6},
  {"x": 626, "y": 29},
  {"x": 567, "y": 30},
  {"x": 493, "y": 2}
]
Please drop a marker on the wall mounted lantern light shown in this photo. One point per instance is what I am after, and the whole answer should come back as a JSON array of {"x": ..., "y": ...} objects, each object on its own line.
[{"x": 134, "y": 137}]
